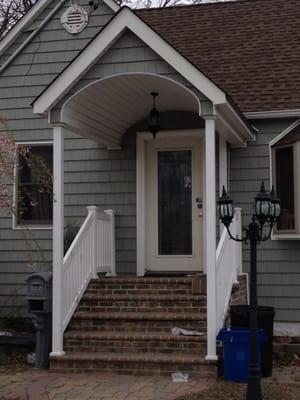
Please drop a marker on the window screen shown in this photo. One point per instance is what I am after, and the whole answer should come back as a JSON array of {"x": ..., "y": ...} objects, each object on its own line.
[
  {"x": 35, "y": 198},
  {"x": 285, "y": 187}
]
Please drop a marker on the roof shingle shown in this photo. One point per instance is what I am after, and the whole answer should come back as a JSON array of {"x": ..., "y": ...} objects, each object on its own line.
[{"x": 250, "y": 48}]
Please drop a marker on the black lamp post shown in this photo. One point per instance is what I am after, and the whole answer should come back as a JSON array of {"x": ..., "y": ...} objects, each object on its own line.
[
  {"x": 154, "y": 117},
  {"x": 266, "y": 213}
]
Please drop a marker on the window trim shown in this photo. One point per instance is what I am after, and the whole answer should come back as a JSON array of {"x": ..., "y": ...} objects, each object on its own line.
[
  {"x": 15, "y": 225},
  {"x": 295, "y": 233}
]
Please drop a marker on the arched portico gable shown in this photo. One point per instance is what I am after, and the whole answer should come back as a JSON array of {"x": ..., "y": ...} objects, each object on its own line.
[{"x": 104, "y": 109}]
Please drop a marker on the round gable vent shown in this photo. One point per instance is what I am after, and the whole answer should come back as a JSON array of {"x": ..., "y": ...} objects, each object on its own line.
[{"x": 74, "y": 19}]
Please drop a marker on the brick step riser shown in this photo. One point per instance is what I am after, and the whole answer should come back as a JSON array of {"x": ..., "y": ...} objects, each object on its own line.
[
  {"x": 136, "y": 292},
  {"x": 134, "y": 325},
  {"x": 100, "y": 302},
  {"x": 141, "y": 308},
  {"x": 134, "y": 346},
  {"x": 139, "y": 286},
  {"x": 135, "y": 368}
]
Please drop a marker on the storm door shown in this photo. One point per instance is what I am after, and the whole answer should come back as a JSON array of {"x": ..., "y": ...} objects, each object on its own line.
[{"x": 174, "y": 204}]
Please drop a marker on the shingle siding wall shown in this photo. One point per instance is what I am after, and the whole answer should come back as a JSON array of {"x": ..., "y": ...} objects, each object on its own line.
[
  {"x": 20, "y": 83},
  {"x": 278, "y": 261},
  {"x": 93, "y": 175}
]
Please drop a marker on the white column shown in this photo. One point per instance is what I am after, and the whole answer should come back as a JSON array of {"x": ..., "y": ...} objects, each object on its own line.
[
  {"x": 140, "y": 205},
  {"x": 58, "y": 239},
  {"x": 223, "y": 175},
  {"x": 210, "y": 235}
]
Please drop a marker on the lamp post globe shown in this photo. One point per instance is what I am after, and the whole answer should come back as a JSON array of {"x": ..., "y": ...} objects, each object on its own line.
[
  {"x": 275, "y": 208},
  {"x": 225, "y": 208},
  {"x": 263, "y": 205}
]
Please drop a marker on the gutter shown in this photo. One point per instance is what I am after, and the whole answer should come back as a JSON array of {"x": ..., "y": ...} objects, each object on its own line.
[{"x": 32, "y": 35}]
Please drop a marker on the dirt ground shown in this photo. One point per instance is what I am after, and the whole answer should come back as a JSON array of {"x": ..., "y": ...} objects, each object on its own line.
[{"x": 272, "y": 390}]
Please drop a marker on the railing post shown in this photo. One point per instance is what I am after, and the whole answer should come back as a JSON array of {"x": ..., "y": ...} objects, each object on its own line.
[
  {"x": 112, "y": 214},
  {"x": 93, "y": 211},
  {"x": 239, "y": 246}
]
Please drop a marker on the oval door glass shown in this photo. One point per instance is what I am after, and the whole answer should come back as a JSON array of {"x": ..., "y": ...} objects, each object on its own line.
[{"x": 175, "y": 202}]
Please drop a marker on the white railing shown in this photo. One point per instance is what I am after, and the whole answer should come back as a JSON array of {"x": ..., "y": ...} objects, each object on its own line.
[
  {"x": 228, "y": 266},
  {"x": 92, "y": 251}
]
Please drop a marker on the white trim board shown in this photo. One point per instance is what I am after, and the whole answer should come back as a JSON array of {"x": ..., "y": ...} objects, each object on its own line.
[
  {"x": 287, "y": 329},
  {"x": 15, "y": 226},
  {"x": 295, "y": 113},
  {"x": 37, "y": 9},
  {"x": 125, "y": 19},
  {"x": 26, "y": 20},
  {"x": 284, "y": 133}
]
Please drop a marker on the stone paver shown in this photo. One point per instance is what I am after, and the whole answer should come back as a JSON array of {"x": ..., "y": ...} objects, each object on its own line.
[{"x": 43, "y": 385}]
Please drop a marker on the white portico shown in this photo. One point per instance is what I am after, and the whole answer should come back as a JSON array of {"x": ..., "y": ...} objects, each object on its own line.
[{"x": 103, "y": 110}]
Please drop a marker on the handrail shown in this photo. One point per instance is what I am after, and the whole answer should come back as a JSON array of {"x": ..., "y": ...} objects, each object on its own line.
[
  {"x": 77, "y": 238},
  {"x": 92, "y": 251},
  {"x": 228, "y": 266}
]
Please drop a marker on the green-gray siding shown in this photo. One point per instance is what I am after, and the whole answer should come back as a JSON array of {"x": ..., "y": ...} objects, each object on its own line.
[
  {"x": 278, "y": 260},
  {"x": 95, "y": 176}
]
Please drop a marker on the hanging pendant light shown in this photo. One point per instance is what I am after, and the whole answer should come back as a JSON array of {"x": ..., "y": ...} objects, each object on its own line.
[{"x": 154, "y": 118}]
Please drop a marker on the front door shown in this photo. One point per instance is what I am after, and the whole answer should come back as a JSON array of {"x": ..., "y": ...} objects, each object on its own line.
[{"x": 174, "y": 204}]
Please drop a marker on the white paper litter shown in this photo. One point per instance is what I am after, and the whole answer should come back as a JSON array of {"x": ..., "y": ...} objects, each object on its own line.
[
  {"x": 3, "y": 333},
  {"x": 31, "y": 358},
  {"x": 186, "y": 332},
  {"x": 179, "y": 377}
]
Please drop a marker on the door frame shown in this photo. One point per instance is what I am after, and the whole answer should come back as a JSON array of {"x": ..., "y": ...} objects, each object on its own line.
[{"x": 142, "y": 137}]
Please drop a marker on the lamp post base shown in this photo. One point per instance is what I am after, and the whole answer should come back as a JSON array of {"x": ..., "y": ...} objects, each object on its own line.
[{"x": 254, "y": 387}]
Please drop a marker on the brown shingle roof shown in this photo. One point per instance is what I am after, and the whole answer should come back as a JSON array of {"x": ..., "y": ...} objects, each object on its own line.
[{"x": 250, "y": 48}]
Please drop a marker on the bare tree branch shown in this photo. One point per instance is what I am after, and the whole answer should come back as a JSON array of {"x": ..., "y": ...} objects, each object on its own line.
[{"x": 12, "y": 10}]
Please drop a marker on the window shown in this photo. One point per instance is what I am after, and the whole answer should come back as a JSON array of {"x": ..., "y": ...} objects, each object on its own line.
[
  {"x": 286, "y": 179},
  {"x": 33, "y": 194}
]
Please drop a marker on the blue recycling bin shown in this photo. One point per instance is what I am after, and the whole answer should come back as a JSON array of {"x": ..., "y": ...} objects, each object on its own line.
[{"x": 236, "y": 349}]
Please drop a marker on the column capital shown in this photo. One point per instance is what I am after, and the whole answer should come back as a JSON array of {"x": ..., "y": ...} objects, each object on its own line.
[{"x": 209, "y": 117}]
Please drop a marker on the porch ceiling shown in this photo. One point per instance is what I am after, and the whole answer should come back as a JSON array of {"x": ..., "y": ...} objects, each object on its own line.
[{"x": 104, "y": 110}]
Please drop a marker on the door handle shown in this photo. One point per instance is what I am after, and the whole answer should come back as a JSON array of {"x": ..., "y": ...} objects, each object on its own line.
[{"x": 199, "y": 202}]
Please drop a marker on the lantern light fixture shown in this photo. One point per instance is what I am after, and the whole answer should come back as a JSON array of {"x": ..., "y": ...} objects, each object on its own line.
[
  {"x": 154, "y": 117},
  {"x": 225, "y": 208}
]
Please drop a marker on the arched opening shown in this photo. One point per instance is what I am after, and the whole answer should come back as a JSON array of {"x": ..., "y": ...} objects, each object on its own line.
[{"x": 104, "y": 110}]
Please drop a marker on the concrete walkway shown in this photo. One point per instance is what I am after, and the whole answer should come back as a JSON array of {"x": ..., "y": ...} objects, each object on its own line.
[{"x": 42, "y": 385}]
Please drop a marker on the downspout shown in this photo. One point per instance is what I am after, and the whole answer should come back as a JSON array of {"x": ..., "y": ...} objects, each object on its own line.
[{"x": 31, "y": 36}]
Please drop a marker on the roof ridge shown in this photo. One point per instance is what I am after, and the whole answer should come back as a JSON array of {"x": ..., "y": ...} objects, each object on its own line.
[{"x": 208, "y": 4}]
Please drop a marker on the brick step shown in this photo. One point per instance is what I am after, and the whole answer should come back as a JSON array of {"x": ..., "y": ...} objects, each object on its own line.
[
  {"x": 145, "y": 297},
  {"x": 133, "y": 342},
  {"x": 134, "y": 363},
  {"x": 142, "y": 303},
  {"x": 135, "y": 326},
  {"x": 92, "y": 290},
  {"x": 140, "y": 308},
  {"x": 150, "y": 285}
]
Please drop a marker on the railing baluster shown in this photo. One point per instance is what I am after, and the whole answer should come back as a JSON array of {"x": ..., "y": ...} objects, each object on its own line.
[
  {"x": 92, "y": 248},
  {"x": 228, "y": 267}
]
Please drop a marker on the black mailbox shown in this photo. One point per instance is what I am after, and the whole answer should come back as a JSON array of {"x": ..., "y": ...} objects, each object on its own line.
[
  {"x": 39, "y": 297},
  {"x": 39, "y": 292}
]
